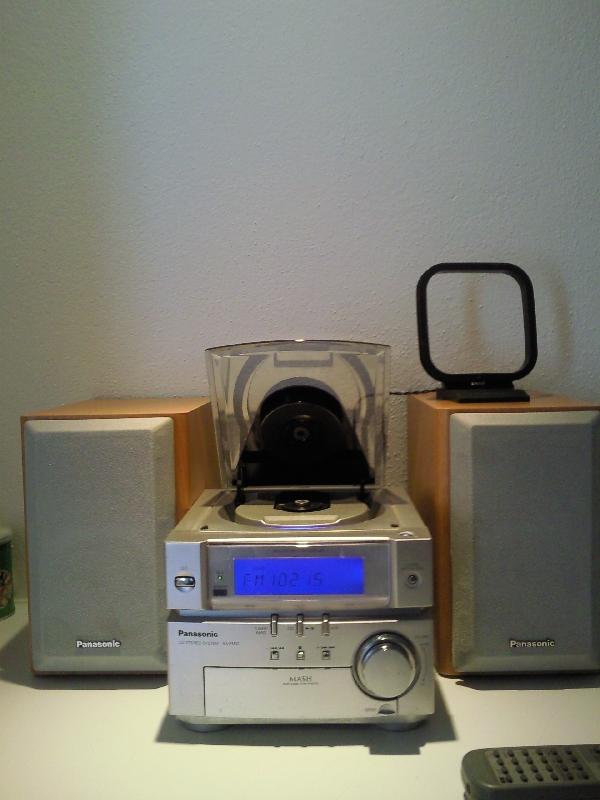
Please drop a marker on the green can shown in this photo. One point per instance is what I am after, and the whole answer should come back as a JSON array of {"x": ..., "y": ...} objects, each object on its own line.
[{"x": 7, "y": 599}]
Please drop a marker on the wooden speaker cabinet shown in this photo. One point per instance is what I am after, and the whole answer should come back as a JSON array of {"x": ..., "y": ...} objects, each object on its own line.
[
  {"x": 105, "y": 482},
  {"x": 511, "y": 494}
]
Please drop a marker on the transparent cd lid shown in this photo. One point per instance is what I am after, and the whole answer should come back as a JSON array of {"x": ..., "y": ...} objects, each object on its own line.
[{"x": 300, "y": 413}]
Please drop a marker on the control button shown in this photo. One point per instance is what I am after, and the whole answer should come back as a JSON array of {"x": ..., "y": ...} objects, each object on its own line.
[
  {"x": 300, "y": 654},
  {"x": 274, "y": 624},
  {"x": 299, "y": 624},
  {"x": 326, "y": 655},
  {"x": 413, "y": 579},
  {"x": 325, "y": 624},
  {"x": 274, "y": 655},
  {"x": 185, "y": 583},
  {"x": 385, "y": 666}
]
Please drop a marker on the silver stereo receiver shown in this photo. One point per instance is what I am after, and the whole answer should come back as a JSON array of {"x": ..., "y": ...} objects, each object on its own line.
[{"x": 302, "y": 592}]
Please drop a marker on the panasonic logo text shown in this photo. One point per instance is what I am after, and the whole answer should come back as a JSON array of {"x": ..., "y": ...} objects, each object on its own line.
[
  {"x": 519, "y": 643},
  {"x": 81, "y": 643},
  {"x": 198, "y": 633}
]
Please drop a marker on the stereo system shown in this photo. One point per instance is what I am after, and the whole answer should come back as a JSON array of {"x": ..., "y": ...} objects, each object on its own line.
[
  {"x": 299, "y": 587},
  {"x": 279, "y": 618},
  {"x": 301, "y": 592}
]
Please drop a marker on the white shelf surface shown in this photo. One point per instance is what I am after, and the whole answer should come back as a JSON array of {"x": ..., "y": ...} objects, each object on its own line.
[{"x": 92, "y": 738}]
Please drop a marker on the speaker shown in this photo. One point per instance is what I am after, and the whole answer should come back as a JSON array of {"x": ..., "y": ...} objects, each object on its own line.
[
  {"x": 105, "y": 481},
  {"x": 511, "y": 494}
]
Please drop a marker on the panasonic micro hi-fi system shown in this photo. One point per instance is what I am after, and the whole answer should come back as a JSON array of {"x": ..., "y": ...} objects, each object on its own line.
[{"x": 301, "y": 592}]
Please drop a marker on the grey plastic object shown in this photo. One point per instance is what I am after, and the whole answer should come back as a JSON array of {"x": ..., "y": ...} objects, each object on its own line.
[{"x": 549, "y": 772}]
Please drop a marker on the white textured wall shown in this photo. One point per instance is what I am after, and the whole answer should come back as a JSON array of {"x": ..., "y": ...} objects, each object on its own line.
[{"x": 187, "y": 174}]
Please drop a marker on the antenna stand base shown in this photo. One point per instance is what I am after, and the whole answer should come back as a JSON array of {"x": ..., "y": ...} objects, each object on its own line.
[{"x": 491, "y": 395}]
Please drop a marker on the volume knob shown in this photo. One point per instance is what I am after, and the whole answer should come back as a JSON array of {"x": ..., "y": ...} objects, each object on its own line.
[{"x": 385, "y": 666}]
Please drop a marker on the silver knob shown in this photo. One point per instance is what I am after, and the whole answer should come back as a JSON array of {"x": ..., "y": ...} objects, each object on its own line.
[{"x": 385, "y": 666}]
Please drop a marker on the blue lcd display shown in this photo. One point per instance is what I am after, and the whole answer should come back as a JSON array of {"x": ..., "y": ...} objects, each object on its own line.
[{"x": 266, "y": 576}]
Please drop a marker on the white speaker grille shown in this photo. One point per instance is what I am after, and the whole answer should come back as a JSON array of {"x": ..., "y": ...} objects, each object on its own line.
[
  {"x": 525, "y": 541},
  {"x": 100, "y": 498}
]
